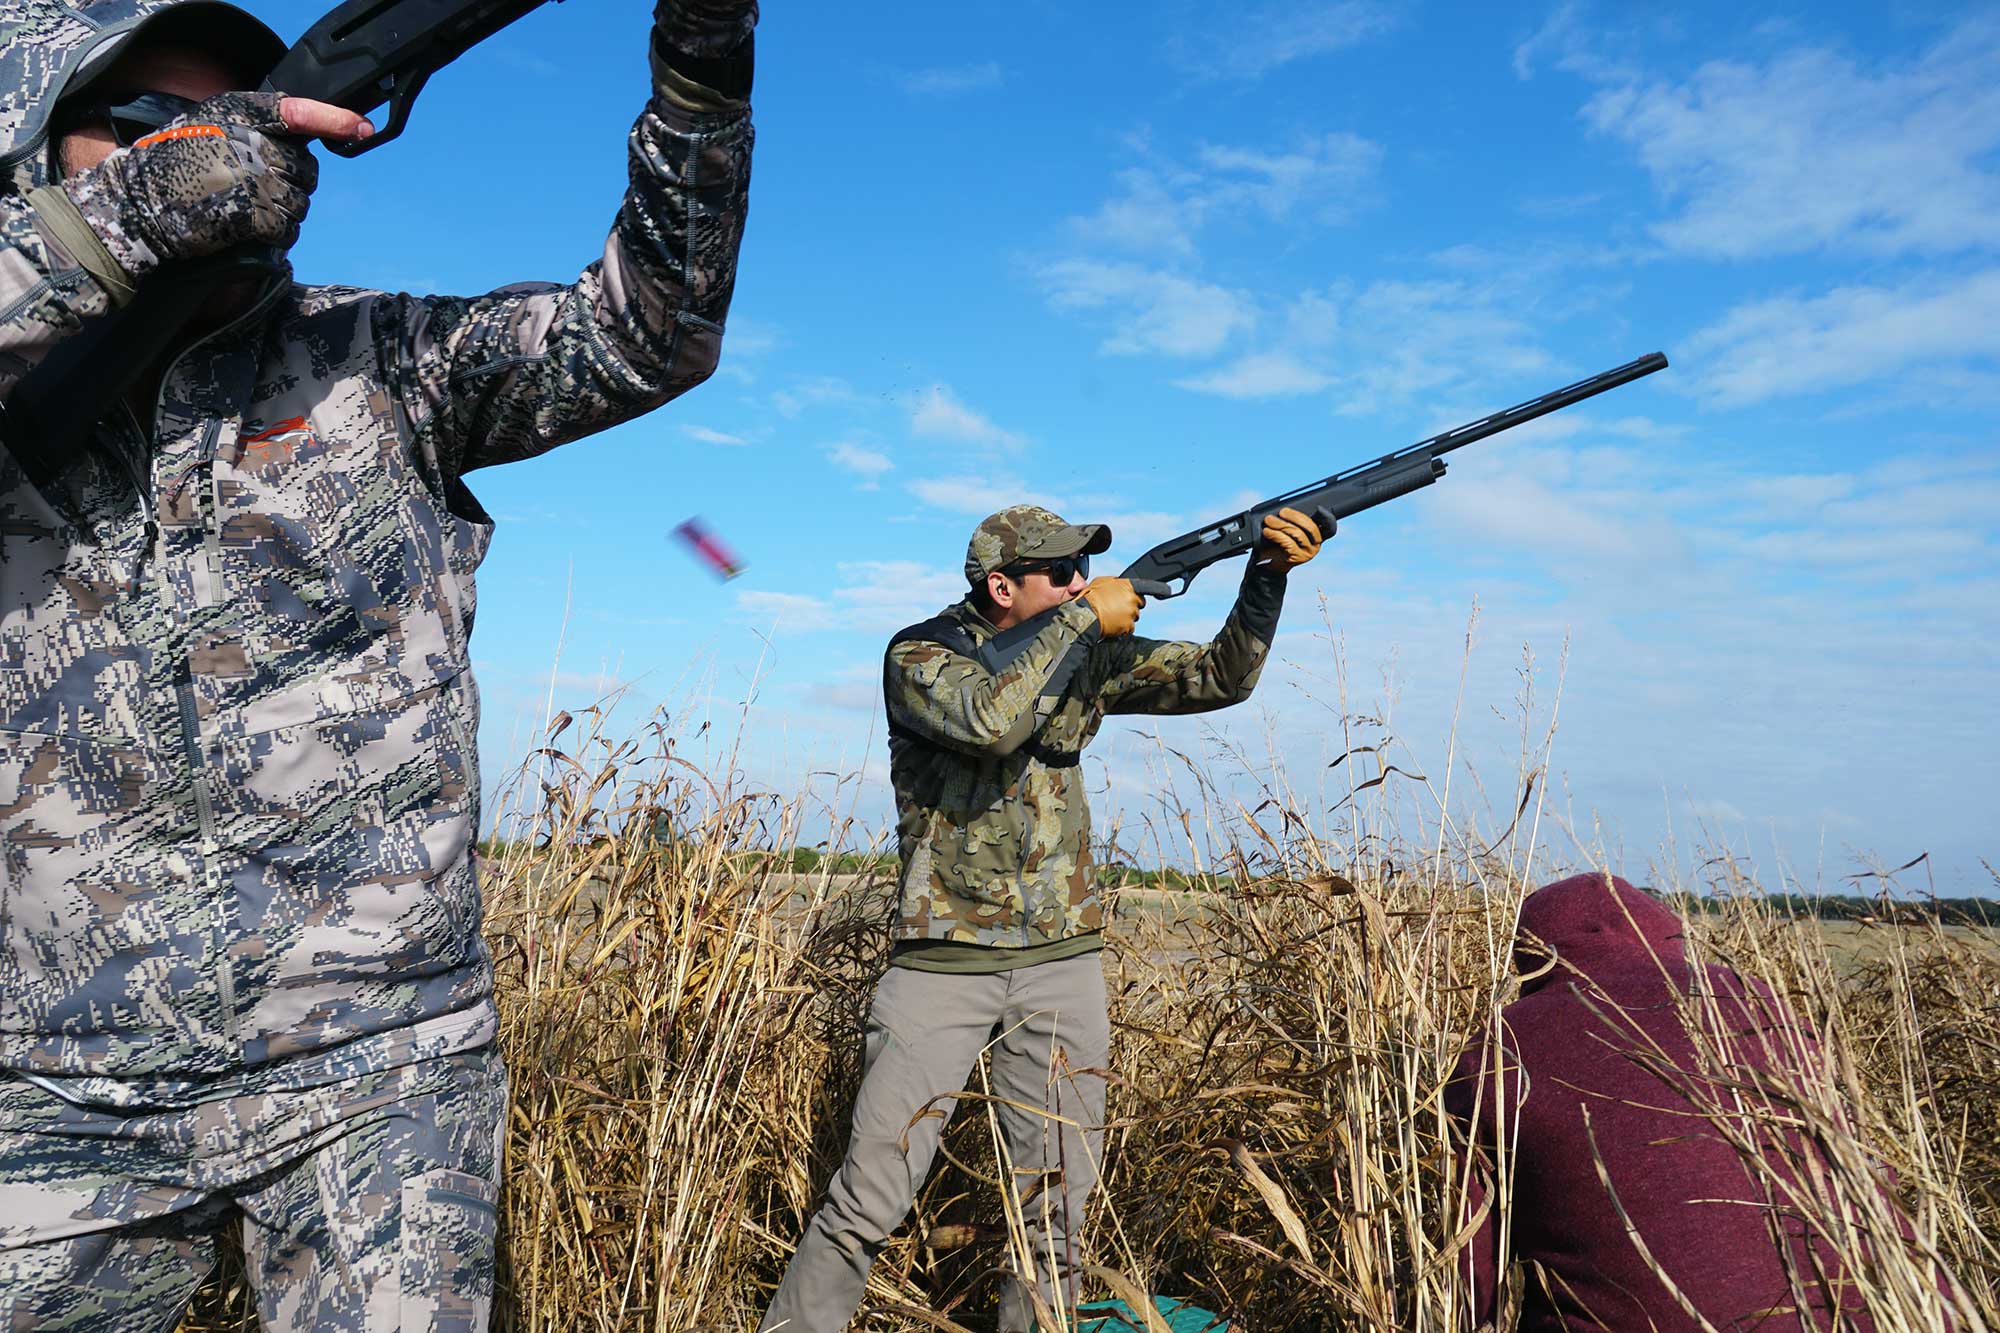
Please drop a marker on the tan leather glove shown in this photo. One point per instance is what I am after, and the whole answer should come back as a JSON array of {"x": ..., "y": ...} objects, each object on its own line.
[
  {"x": 1116, "y": 604},
  {"x": 1289, "y": 539}
]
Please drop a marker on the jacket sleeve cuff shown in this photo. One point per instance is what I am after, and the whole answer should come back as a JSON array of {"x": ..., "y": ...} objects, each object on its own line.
[
  {"x": 63, "y": 223},
  {"x": 1083, "y": 619},
  {"x": 1260, "y": 600},
  {"x": 704, "y": 63},
  {"x": 705, "y": 87}
]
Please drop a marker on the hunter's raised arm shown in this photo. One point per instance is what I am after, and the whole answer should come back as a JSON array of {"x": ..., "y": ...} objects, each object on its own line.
[{"x": 517, "y": 372}]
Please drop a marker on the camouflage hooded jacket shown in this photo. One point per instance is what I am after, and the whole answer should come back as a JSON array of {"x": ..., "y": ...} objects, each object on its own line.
[
  {"x": 992, "y": 823},
  {"x": 238, "y": 787}
]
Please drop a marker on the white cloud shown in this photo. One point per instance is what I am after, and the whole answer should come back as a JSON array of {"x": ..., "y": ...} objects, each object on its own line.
[
  {"x": 1402, "y": 340},
  {"x": 1329, "y": 170},
  {"x": 937, "y": 413},
  {"x": 874, "y": 597},
  {"x": 1878, "y": 550},
  {"x": 1714, "y": 811},
  {"x": 1133, "y": 530},
  {"x": 1156, "y": 312},
  {"x": 847, "y": 696},
  {"x": 1383, "y": 345},
  {"x": 793, "y": 611},
  {"x": 952, "y": 79},
  {"x": 1147, "y": 216},
  {"x": 817, "y": 391},
  {"x": 1850, "y": 336},
  {"x": 979, "y": 496},
  {"x": 889, "y": 594},
  {"x": 1594, "y": 54},
  {"x": 1262, "y": 375},
  {"x": 1233, "y": 41},
  {"x": 1516, "y": 508},
  {"x": 1634, "y": 515},
  {"x": 975, "y": 495},
  {"x": 867, "y": 464},
  {"x": 707, "y": 436},
  {"x": 1159, "y": 208},
  {"x": 751, "y": 337},
  {"x": 1811, "y": 151},
  {"x": 1550, "y": 207}
]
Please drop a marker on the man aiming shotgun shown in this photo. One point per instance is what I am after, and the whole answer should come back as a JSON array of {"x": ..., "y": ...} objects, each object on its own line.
[
  {"x": 241, "y": 974},
  {"x": 1001, "y": 917},
  {"x": 990, "y": 705}
]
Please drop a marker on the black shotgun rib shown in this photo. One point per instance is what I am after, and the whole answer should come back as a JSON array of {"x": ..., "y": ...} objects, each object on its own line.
[
  {"x": 1168, "y": 568},
  {"x": 360, "y": 55}
]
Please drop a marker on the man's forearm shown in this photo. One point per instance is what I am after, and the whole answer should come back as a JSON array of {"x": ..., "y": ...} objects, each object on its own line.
[
  {"x": 669, "y": 270},
  {"x": 1160, "y": 677},
  {"x": 955, "y": 701},
  {"x": 513, "y": 374},
  {"x": 1234, "y": 659}
]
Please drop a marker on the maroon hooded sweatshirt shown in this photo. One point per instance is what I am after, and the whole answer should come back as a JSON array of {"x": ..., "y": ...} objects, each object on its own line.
[{"x": 1671, "y": 1170}]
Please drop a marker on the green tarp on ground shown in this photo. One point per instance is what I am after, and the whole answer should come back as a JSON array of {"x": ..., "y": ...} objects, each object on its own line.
[{"x": 1118, "y": 1317}]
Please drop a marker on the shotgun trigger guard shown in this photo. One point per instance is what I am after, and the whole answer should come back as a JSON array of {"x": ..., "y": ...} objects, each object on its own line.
[{"x": 402, "y": 90}]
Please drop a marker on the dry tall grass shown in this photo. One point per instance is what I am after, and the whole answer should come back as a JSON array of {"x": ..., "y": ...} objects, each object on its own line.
[{"x": 682, "y": 1023}]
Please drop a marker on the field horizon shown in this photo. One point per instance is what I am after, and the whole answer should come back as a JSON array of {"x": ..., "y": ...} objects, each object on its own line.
[{"x": 681, "y": 993}]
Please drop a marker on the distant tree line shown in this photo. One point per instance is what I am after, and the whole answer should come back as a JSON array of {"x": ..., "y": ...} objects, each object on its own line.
[
  {"x": 1853, "y": 907},
  {"x": 1111, "y": 874}
]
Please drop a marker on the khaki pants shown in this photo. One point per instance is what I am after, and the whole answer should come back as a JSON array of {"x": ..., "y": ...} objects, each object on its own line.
[{"x": 1046, "y": 1025}]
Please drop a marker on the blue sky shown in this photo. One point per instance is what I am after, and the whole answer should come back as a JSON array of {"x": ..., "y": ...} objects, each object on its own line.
[{"x": 1149, "y": 262}]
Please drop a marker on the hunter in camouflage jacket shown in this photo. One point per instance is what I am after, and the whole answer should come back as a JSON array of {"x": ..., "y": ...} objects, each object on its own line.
[
  {"x": 992, "y": 822},
  {"x": 238, "y": 789}
]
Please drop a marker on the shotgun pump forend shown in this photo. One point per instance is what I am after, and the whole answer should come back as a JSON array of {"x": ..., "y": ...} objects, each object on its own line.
[
  {"x": 367, "y": 52},
  {"x": 1168, "y": 568}
]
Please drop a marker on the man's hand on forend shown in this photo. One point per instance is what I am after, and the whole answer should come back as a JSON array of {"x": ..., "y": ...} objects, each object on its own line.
[
  {"x": 1289, "y": 539},
  {"x": 234, "y": 171}
]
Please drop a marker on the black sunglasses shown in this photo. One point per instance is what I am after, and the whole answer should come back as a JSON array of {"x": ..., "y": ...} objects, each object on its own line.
[
  {"x": 1060, "y": 571},
  {"x": 134, "y": 116}
]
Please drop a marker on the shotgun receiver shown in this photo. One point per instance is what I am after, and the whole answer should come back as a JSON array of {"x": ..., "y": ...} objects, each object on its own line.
[
  {"x": 1168, "y": 568},
  {"x": 361, "y": 54}
]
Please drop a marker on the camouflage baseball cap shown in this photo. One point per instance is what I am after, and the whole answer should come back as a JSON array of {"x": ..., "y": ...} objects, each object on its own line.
[{"x": 1028, "y": 532}]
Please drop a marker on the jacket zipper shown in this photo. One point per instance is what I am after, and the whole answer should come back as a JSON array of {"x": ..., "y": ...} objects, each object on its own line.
[{"x": 190, "y": 714}]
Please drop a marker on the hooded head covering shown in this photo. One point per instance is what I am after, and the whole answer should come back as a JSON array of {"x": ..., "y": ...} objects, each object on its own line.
[
  {"x": 1596, "y": 925},
  {"x": 52, "y": 49},
  {"x": 1595, "y": 1074}
]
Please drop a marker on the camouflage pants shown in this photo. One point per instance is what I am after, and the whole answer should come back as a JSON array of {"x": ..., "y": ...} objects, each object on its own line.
[{"x": 367, "y": 1203}]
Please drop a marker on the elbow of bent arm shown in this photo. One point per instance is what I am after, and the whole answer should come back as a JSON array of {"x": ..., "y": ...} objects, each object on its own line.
[
  {"x": 695, "y": 354},
  {"x": 999, "y": 744}
]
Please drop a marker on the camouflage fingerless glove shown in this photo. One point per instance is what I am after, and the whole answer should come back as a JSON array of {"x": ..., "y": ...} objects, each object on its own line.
[{"x": 228, "y": 173}]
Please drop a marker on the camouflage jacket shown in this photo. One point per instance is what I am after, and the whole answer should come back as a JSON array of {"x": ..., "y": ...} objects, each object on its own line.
[
  {"x": 992, "y": 823},
  {"x": 238, "y": 784}
]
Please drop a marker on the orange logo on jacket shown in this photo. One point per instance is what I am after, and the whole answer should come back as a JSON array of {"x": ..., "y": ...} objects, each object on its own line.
[{"x": 277, "y": 444}]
